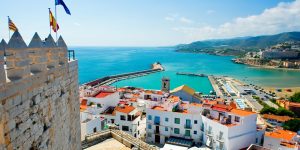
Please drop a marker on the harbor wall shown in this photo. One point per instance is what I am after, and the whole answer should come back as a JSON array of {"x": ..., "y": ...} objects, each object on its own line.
[
  {"x": 98, "y": 81},
  {"x": 39, "y": 95}
]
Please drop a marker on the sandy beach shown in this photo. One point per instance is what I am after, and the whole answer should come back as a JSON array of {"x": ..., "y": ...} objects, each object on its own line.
[{"x": 284, "y": 93}]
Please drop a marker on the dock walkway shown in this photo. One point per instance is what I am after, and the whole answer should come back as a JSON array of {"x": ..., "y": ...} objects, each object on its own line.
[
  {"x": 108, "y": 80},
  {"x": 215, "y": 86}
]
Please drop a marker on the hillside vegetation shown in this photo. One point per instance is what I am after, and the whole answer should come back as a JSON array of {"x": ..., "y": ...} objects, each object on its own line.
[{"x": 238, "y": 46}]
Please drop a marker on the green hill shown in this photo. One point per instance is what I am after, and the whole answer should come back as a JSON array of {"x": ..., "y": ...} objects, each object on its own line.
[{"x": 238, "y": 46}]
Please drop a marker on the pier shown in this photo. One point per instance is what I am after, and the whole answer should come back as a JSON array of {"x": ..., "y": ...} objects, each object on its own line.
[
  {"x": 191, "y": 74},
  {"x": 108, "y": 80},
  {"x": 215, "y": 86}
]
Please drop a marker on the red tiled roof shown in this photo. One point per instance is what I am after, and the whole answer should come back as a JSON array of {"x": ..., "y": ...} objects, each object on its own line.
[
  {"x": 277, "y": 118},
  {"x": 125, "y": 109},
  {"x": 221, "y": 107},
  {"x": 158, "y": 108},
  {"x": 241, "y": 112},
  {"x": 282, "y": 134},
  {"x": 103, "y": 94}
]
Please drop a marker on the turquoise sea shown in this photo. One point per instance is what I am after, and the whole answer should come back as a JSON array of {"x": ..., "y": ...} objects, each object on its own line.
[{"x": 96, "y": 62}]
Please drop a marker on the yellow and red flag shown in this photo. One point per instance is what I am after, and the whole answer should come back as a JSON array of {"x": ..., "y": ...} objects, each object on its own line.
[
  {"x": 53, "y": 22},
  {"x": 11, "y": 25}
]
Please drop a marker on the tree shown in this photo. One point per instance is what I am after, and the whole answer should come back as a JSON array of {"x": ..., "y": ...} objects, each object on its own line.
[
  {"x": 280, "y": 111},
  {"x": 292, "y": 125},
  {"x": 295, "y": 97}
]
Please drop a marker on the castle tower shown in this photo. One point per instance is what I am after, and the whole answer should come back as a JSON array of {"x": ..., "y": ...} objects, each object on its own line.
[
  {"x": 17, "y": 58},
  {"x": 63, "y": 51},
  {"x": 52, "y": 52},
  {"x": 3, "y": 46},
  {"x": 165, "y": 84},
  {"x": 37, "y": 55}
]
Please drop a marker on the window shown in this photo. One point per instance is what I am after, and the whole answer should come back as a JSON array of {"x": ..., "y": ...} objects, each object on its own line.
[
  {"x": 122, "y": 117},
  {"x": 149, "y": 135},
  {"x": 237, "y": 119},
  {"x": 149, "y": 126},
  {"x": 195, "y": 121},
  {"x": 166, "y": 129},
  {"x": 177, "y": 120},
  {"x": 149, "y": 117},
  {"x": 95, "y": 129},
  {"x": 187, "y": 133},
  {"x": 195, "y": 132},
  {"x": 166, "y": 119},
  {"x": 125, "y": 128},
  {"x": 176, "y": 131}
]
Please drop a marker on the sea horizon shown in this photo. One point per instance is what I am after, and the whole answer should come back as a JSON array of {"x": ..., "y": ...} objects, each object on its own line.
[{"x": 117, "y": 60}]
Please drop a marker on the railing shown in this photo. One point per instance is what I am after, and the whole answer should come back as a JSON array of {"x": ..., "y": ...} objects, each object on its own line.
[
  {"x": 71, "y": 55},
  {"x": 209, "y": 133},
  {"x": 202, "y": 128},
  {"x": 220, "y": 139},
  {"x": 98, "y": 137}
]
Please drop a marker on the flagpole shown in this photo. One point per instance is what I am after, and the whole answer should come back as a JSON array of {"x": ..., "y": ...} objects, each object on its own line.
[
  {"x": 56, "y": 22},
  {"x": 49, "y": 21},
  {"x": 8, "y": 29}
]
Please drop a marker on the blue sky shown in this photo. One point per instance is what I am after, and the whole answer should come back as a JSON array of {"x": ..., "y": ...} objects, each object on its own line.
[{"x": 151, "y": 22}]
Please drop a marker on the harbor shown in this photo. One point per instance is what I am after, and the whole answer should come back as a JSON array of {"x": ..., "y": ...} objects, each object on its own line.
[{"x": 108, "y": 80}]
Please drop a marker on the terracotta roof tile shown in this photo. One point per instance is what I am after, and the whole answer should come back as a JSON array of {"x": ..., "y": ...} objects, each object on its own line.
[
  {"x": 241, "y": 112},
  {"x": 277, "y": 118},
  {"x": 124, "y": 109},
  {"x": 282, "y": 134}
]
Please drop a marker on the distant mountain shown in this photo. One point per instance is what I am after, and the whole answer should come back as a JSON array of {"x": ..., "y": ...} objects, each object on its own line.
[{"x": 239, "y": 43}]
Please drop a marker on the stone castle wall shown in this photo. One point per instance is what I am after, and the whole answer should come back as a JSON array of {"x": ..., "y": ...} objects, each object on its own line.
[{"x": 39, "y": 99}]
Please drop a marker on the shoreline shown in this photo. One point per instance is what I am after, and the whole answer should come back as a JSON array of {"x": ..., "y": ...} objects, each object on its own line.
[
  {"x": 269, "y": 67},
  {"x": 250, "y": 65}
]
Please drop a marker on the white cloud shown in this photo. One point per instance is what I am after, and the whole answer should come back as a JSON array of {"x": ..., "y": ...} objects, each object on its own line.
[
  {"x": 177, "y": 18},
  {"x": 169, "y": 18},
  {"x": 185, "y": 20},
  {"x": 282, "y": 18},
  {"x": 210, "y": 12}
]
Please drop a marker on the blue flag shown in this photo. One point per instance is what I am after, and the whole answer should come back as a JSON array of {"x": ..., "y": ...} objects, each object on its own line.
[{"x": 61, "y": 2}]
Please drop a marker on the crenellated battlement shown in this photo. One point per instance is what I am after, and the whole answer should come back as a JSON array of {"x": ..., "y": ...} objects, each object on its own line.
[
  {"x": 39, "y": 95},
  {"x": 21, "y": 61}
]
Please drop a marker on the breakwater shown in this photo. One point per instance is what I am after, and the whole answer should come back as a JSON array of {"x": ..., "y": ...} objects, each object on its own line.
[
  {"x": 108, "y": 80},
  {"x": 191, "y": 74}
]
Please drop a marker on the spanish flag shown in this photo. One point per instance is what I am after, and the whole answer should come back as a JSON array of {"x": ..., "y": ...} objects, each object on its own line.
[
  {"x": 11, "y": 25},
  {"x": 53, "y": 22}
]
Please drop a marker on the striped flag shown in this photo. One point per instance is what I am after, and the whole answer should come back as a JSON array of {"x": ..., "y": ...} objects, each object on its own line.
[
  {"x": 11, "y": 25},
  {"x": 53, "y": 22}
]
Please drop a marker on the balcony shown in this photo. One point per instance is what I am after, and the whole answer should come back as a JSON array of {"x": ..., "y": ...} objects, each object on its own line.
[
  {"x": 188, "y": 126},
  {"x": 220, "y": 139},
  {"x": 202, "y": 128},
  {"x": 209, "y": 133}
]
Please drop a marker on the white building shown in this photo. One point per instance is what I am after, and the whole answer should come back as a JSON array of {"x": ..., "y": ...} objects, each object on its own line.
[
  {"x": 126, "y": 118},
  {"x": 217, "y": 126},
  {"x": 281, "y": 140}
]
